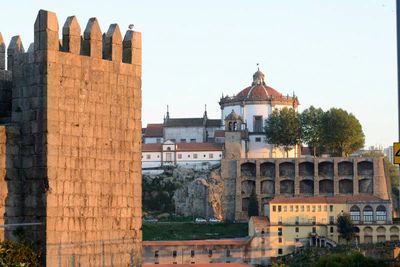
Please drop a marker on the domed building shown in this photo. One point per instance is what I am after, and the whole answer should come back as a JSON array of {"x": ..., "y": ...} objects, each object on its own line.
[{"x": 254, "y": 104}]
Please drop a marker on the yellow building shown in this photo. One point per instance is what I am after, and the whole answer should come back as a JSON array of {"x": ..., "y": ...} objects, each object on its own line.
[{"x": 299, "y": 221}]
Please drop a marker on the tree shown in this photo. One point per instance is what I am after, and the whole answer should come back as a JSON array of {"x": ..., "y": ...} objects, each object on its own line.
[
  {"x": 311, "y": 127},
  {"x": 282, "y": 128},
  {"x": 345, "y": 226},
  {"x": 253, "y": 205},
  {"x": 341, "y": 132}
]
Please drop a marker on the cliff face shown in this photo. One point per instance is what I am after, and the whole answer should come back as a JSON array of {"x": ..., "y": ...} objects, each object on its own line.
[{"x": 185, "y": 192}]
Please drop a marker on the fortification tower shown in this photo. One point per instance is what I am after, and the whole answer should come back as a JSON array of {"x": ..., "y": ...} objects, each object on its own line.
[{"x": 71, "y": 138}]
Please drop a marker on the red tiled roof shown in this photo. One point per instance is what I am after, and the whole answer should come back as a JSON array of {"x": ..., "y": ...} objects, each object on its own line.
[
  {"x": 206, "y": 242},
  {"x": 198, "y": 265},
  {"x": 151, "y": 147},
  {"x": 257, "y": 92},
  {"x": 199, "y": 147},
  {"x": 219, "y": 133},
  {"x": 326, "y": 199},
  {"x": 154, "y": 130}
]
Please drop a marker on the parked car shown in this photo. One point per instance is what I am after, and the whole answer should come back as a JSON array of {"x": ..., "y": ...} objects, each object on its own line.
[
  {"x": 214, "y": 220},
  {"x": 150, "y": 219},
  {"x": 200, "y": 220}
]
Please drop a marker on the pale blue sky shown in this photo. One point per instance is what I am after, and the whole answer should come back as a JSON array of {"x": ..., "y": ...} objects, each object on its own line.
[{"x": 331, "y": 53}]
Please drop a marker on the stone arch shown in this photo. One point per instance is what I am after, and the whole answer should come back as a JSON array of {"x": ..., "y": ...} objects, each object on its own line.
[
  {"x": 381, "y": 213},
  {"x": 325, "y": 169},
  {"x": 307, "y": 187},
  {"x": 248, "y": 188},
  {"x": 267, "y": 169},
  {"x": 394, "y": 230},
  {"x": 368, "y": 214},
  {"x": 306, "y": 169},
  {"x": 365, "y": 186},
  {"x": 381, "y": 234},
  {"x": 367, "y": 231},
  {"x": 394, "y": 237},
  {"x": 355, "y": 213},
  {"x": 267, "y": 187},
  {"x": 286, "y": 170},
  {"x": 346, "y": 186},
  {"x": 365, "y": 169},
  {"x": 345, "y": 168},
  {"x": 248, "y": 169},
  {"x": 326, "y": 187},
  {"x": 287, "y": 187}
]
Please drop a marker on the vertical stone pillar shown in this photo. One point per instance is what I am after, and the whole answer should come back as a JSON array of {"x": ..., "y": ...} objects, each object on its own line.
[
  {"x": 46, "y": 31},
  {"x": 355, "y": 177},
  {"x": 258, "y": 187},
  {"x": 132, "y": 50},
  {"x": 71, "y": 36},
  {"x": 296, "y": 178},
  {"x": 335, "y": 177},
  {"x": 238, "y": 198},
  {"x": 316, "y": 178},
  {"x": 277, "y": 179},
  {"x": 92, "y": 43},
  {"x": 2, "y": 53},
  {"x": 113, "y": 44}
]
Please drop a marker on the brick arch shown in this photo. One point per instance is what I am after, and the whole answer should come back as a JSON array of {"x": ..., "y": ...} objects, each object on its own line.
[
  {"x": 306, "y": 169},
  {"x": 346, "y": 186},
  {"x": 248, "y": 169},
  {"x": 267, "y": 169},
  {"x": 325, "y": 169},
  {"x": 307, "y": 187},
  {"x": 345, "y": 168},
  {"x": 326, "y": 187},
  {"x": 267, "y": 187},
  {"x": 287, "y": 187},
  {"x": 286, "y": 170}
]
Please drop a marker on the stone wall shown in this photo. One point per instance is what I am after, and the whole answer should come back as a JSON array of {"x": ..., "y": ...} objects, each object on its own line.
[
  {"x": 74, "y": 143},
  {"x": 301, "y": 177}
]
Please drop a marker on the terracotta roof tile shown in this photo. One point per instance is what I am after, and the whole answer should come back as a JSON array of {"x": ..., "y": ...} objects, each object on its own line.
[
  {"x": 151, "y": 147},
  {"x": 154, "y": 130},
  {"x": 199, "y": 147},
  {"x": 235, "y": 241},
  {"x": 326, "y": 199}
]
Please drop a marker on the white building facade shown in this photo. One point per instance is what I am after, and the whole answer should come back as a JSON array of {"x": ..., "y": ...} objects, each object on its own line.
[{"x": 254, "y": 105}]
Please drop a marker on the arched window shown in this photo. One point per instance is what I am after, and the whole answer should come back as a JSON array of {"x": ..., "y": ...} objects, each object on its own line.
[
  {"x": 381, "y": 213},
  {"x": 230, "y": 126},
  {"x": 355, "y": 214},
  {"x": 368, "y": 214},
  {"x": 235, "y": 126}
]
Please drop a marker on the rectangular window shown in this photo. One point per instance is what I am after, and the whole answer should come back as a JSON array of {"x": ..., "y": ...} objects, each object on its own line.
[
  {"x": 211, "y": 155},
  {"x": 330, "y": 208},
  {"x": 279, "y": 208},
  {"x": 313, "y": 220},
  {"x": 192, "y": 140},
  {"x": 258, "y": 139},
  {"x": 302, "y": 208},
  {"x": 195, "y": 156},
  {"x": 169, "y": 156},
  {"x": 192, "y": 253},
  {"x": 331, "y": 219},
  {"x": 296, "y": 208},
  {"x": 297, "y": 219},
  {"x": 308, "y": 208},
  {"x": 331, "y": 230},
  {"x": 183, "y": 140},
  {"x": 174, "y": 253},
  {"x": 210, "y": 253},
  {"x": 156, "y": 254},
  {"x": 274, "y": 208},
  {"x": 228, "y": 252},
  {"x": 257, "y": 124},
  {"x": 280, "y": 231},
  {"x": 158, "y": 140},
  {"x": 280, "y": 240},
  {"x": 297, "y": 229},
  {"x": 280, "y": 252},
  {"x": 313, "y": 208},
  {"x": 381, "y": 215},
  {"x": 148, "y": 156},
  {"x": 179, "y": 156},
  {"x": 296, "y": 240}
]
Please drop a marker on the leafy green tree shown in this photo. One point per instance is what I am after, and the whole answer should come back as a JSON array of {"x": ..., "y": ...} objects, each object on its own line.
[
  {"x": 345, "y": 226},
  {"x": 341, "y": 132},
  {"x": 282, "y": 128},
  {"x": 253, "y": 205},
  {"x": 311, "y": 127},
  {"x": 355, "y": 259},
  {"x": 17, "y": 254}
]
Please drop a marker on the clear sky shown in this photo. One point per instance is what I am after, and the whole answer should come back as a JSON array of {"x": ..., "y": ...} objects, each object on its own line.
[{"x": 331, "y": 53}]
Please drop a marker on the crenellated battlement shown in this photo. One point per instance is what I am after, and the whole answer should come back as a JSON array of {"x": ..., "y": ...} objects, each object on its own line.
[{"x": 92, "y": 43}]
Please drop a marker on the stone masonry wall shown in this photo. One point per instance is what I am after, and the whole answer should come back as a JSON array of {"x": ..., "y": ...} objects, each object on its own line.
[
  {"x": 3, "y": 184},
  {"x": 74, "y": 141}
]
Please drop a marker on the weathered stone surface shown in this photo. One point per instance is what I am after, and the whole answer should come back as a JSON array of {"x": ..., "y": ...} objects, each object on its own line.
[{"x": 72, "y": 151}]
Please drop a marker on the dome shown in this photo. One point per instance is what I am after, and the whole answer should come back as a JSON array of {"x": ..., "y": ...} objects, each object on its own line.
[{"x": 233, "y": 116}]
